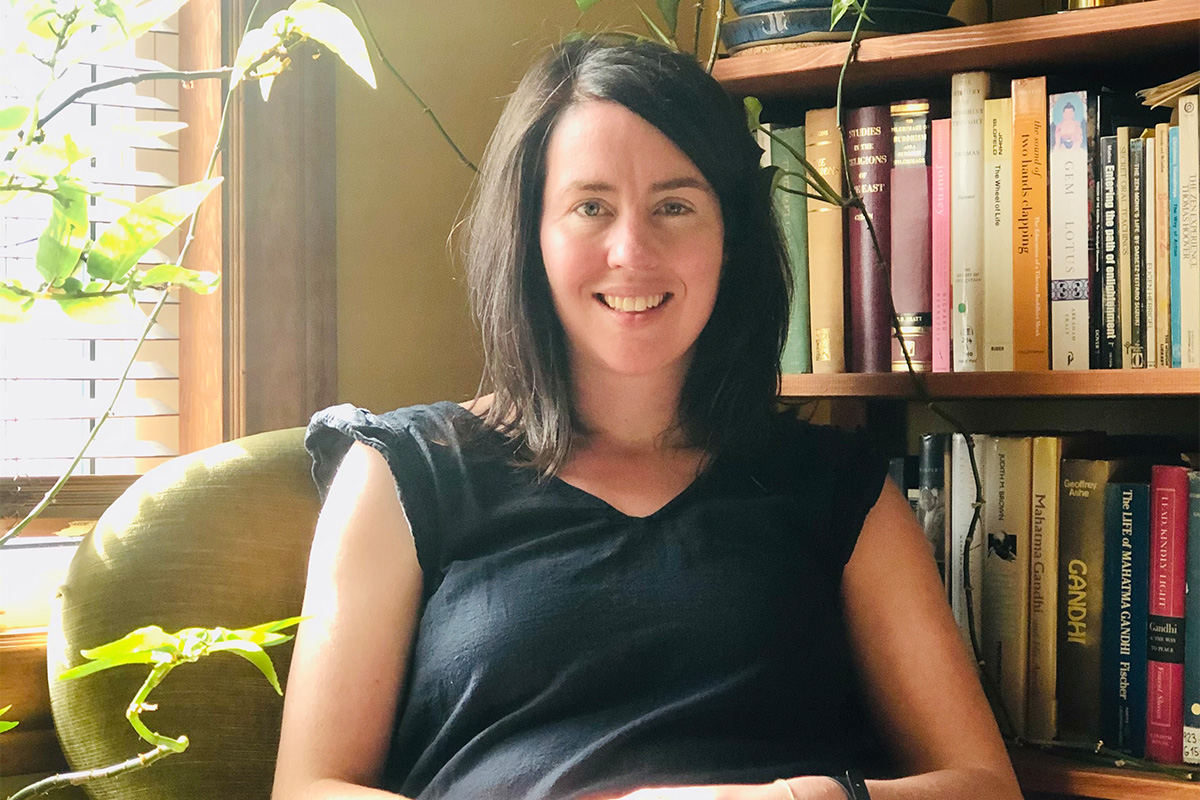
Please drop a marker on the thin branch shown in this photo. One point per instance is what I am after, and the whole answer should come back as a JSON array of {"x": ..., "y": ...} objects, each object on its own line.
[
  {"x": 696, "y": 32},
  {"x": 194, "y": 75},
  {"x": 716, "y": 40},
  {"x": 140, "y": 761}
]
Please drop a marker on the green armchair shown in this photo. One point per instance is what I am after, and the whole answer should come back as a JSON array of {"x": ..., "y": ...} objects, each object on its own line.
[{"x": 217, "y": 537}]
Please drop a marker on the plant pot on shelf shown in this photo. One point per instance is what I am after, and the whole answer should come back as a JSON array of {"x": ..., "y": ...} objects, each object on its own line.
[{"x": 802, "y": 22}]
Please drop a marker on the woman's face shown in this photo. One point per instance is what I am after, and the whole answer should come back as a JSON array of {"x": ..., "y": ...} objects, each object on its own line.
[{"x": 632, "y": 240}]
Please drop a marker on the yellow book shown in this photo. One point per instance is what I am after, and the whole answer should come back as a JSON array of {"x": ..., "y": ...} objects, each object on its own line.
[
  {"x": 1042, "y": 707},
  {"x": 825, "y": 246},
  {"x": 1030, "y": 226}
]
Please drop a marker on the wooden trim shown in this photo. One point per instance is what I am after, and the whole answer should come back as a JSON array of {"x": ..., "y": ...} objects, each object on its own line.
[
  {"x": 83, "y": 496},
  {"x": 32, "y": 746},
  {"x": 1039, "y": 772},
  {"x": 1049, "y": 43},
  {"x": 984, "y": 385}
]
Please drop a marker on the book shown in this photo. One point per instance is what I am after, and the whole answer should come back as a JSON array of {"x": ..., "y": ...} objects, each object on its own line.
[
  {"x": 912, "y": 235},
  {"x": 968, "y": 91},
  {"x": 1191, "y": 633},
  {"x": 1007, "y": 461},
  {"x": 997, "y": 235},
  {"x": 1109, "y": 261},
  {"x": 903, "y": 470},
  {"x": 1176, "y": 288},
  {"x": 792, "y": 212},
  {"x": 1137, "y": 257},
  {"x": 825, "y": 246},
  {"x": 1030, "y": 226},
  {"x": 966, "y": 564},
  {"x": 939, "y": 205},
  {"x": 1081, "y": 592},
  {"x": 1069, "y": 272},
  {"x": 931, "y": 504},
  {"x": 1124, "y": 245},
  {"x": 1189, "y": 230},
  {"x": 1126, "y": 605},
  {"x": 1168, "y": 565},
  {"x": 1042, "y": 708},
  {"x": 1162, "y": 244},
  {"x": 869, "y": 171},
  {"x": 1149, "y": 250}
]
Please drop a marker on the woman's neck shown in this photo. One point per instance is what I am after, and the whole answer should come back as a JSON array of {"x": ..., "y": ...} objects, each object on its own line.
[{"x": 636, "y": 414}]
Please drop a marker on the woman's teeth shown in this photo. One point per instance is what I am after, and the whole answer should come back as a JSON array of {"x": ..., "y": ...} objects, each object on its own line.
[{"x": 633, "y": 303}]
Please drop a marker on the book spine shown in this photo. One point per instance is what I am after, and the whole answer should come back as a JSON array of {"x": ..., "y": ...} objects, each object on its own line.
[
  {"x": 1042, "y": 711},
  {"x": 825, "y": 246},
  {"x": 967, "y": 564},
  {"x": 1126, "y": 604},
  {"x": 1095, "y": 268},
  {"x": 912, "y": 235},
  {"x": 1189, "y": 230},
  {"x": 1081, "y": 595},
  {"x": 940, "y": 224},
  {"x": 1162, "y": 243},
  {"x": 1191, "y": 634},
  {"x": 968, "y": 90},
  {"x": 1124, "y": 265},
  {"x": 1168, "y": 565},
  {"x": 931, "y": 507},
  {"x": 1030, "y": 226},
  {"x": 1069, "y": 232},
  {"x": 1007, "y": 462},
  {"x": 1110, "y": 336},
  {"x": 1137, "y": 258},
  {"x": 997, "y": 236},
  {"x": 792, "y": 211},
  {"x": 869, "y": 168},
  {"x": 1150, "y": 251},
  {"x": 1176, "y": 288}
]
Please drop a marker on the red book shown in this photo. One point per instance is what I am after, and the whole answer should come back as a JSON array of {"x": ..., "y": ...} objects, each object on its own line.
[
  {"x": 1168, "y": 570},
  {"x": 912, "y": 259},
  {"x": 940, "y": 213},
  {"x": 869, "y": 168}
]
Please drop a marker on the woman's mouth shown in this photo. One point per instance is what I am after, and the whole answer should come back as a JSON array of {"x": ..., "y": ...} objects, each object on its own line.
[{"x": 633, "y": 303}]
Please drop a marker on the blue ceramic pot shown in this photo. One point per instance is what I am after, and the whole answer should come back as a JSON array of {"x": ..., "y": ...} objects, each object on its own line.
[
  {"x": 744, "y": 7},
  {"x": 812, "y": 25}
]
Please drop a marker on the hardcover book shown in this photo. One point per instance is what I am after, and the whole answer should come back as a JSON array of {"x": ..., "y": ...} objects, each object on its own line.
[
  {"x": 940, "y": 211},
  {"x": 1149, "y": 250},
  {"x": 1030, "y": 226},
  {"x": 912, "y": 235},
  {"x": 1191, "y": 637},
  {"x": 1189, "y": 230},
  {"x": 1042, "y": 722},
  {"x": 792, "y": 210},
  {"x": 825, "y": 246},
  {"x": 1126, "y": 605},
  {"x": 997, "y": 236},
  {"x": 968, "y": 91},
  {"x": 869, "y": 169},
  {"x": 1069, "y": 271},
  {"x": 931, "y": 504},
  {"x": 966, "y": 563},
  {"x": 1162, "y": 243},
  {"x": 1137, "y": 257},
  {"x": 1165, "y": 644},
  {"x": 1176, "y": 287},
  {"x": 1124, "y": 246},
  {"x": 1109, "y": 260}
]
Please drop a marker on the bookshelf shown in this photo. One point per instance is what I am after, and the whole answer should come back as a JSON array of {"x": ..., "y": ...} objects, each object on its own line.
[{"x": 1128, "y": 47}]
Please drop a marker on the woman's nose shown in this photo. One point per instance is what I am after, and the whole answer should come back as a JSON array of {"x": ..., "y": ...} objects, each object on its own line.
[{"x": 632, "y": 244}]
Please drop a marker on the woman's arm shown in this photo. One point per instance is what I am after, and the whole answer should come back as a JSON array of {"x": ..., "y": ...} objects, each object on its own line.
[
  {"x": 919, "y": 679},
  {"x": 363, "y": 599}
]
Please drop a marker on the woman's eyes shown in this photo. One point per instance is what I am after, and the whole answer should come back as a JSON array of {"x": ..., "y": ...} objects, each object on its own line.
[
  {"x": 670, "y": 208},
  {"x": 674, "y": 208},
  {"x": 590, "y": 208}
]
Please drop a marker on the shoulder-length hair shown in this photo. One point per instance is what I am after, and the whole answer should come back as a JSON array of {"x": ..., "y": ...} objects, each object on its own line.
[{"x": 730, "y": 387}]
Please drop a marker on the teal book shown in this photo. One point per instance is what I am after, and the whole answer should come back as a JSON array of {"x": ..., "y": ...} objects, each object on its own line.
[
  {"x": 1191, "y": 628},
  {"x": 792, "y": 212},
  {"x": 1176, "y": 285}
]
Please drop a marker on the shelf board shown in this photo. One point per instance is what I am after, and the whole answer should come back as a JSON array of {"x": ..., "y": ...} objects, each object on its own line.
[
  {"x": 986, "y": 385},
  {"x": 1039, "y": 772},
  {"x": 1058, "y": 41}
]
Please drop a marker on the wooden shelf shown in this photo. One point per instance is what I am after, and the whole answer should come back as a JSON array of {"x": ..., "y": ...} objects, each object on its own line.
[
  {"x": 1059, "y": 42},
  {"x": 1038, "y": 772},
  {"x": 985, "y": 385}
]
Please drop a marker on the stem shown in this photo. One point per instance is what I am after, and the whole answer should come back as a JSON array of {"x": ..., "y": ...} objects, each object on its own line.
[
  {"x": 712, "y": 54},
  {"x": 696, "y": 32},
  {"x": 77, "y": 778},
  {"x": 138, "y": 705},
  {"x": 131, "y": 79},
  {"x": 425, "y": 109}
]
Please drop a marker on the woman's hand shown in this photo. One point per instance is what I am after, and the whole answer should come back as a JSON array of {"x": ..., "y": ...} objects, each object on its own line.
[{"x": 813, "y": 787}]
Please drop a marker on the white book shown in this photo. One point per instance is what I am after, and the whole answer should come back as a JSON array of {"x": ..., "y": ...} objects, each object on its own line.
[
  {"x": 998, "y": 236},
  {"x": 1007, "y": 463},
  {"x": 1069, "y": 231},
  {"x": 970, "y": 568},
  {"x": 1124, "y": 255},
  {"x": 968, "y": 91},
  {"x": 1150, "y": 248},
  {"x": 1189, "y": 230},
  {"x": 1162, "y": 238}
]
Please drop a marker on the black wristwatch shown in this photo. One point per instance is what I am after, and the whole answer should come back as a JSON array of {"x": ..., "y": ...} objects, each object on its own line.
[{"x": 853, "y": 785}]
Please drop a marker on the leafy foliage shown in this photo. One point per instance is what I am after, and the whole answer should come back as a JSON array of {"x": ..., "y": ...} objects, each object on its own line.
[{"x": 7, "y": 724}]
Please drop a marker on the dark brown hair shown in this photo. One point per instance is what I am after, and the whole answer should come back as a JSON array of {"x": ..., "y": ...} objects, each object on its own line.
[{"x": 731, "y": 383}]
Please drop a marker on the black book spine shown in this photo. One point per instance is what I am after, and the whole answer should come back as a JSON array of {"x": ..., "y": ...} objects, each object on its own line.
[
  {"x": 1110, "y": 335},
  {"x": 1137, "y": 252}
]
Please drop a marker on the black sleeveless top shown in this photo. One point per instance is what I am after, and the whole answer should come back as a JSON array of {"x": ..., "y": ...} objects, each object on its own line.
[{"x": 568, "y": 650}]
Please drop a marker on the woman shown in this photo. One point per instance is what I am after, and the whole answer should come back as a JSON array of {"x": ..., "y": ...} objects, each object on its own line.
[{"x": 623, "y": 570}]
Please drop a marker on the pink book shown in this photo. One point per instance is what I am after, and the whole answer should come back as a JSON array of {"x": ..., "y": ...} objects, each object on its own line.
[
  {"x": 940, "y": 202},
  {"x": 1168, "y": 570}
]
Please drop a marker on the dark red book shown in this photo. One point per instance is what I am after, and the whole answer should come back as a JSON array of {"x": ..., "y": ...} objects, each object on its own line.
[
  {"x": 869, "y": 166},
  {"x": 912, "y": 235},
  {"x": 1168, "y": 571}
]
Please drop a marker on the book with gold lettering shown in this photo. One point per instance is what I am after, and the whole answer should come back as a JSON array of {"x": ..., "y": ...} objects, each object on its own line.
[
  {"x": 868, "y": 169},
  {"x": 826, "y": 251},
  {"x": 1031, "y": 312},
  {"x": 792, "y": 211},
  {"x": 912, "y": 234},
  {"x": 1165, "y": 642}
]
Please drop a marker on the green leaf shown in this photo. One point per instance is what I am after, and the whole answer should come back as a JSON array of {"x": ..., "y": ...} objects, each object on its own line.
[
  {"x": 753, "y": 108},
  {"x": 6, "y": 725},
  {"x": 48, "y": 159},
  {"x": 65, "y": 236},
  {"x": 107, "y": 310},
  {"x": 335, "y": 31},
  {"x": 255, "y": 45},
  {"x": 658, "y": 33},
  {"x": 13, "y": 117},
  {"x": 584, "y": 5},
  {"x": 139, "y": 17},
  {"x": 839, "y": 8},
  {"x": 251, "y": 634},
  {"x": 141, "y": 640},
  {"x": 252, "y": 653},
  {"x": 198, "y": 282},
  {"x": 670, "y": 12},
  {"x": 13, "y": 305},
  {"x": 101, "y": 664},
  {"x": 129, "y": 237}
]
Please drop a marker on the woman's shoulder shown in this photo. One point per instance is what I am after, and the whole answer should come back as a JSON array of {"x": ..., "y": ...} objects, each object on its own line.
[
  {"x": 800, "y": 450},
  {"x": 443, "y": 422}
]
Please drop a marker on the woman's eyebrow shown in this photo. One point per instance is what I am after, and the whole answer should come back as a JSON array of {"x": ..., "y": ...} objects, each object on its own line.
[{"x": 685, "y": 182}]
